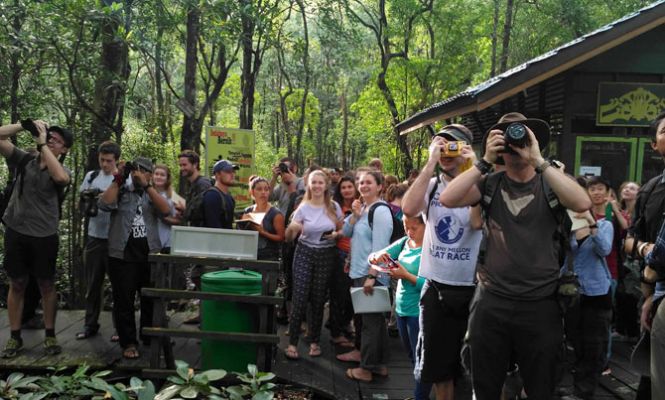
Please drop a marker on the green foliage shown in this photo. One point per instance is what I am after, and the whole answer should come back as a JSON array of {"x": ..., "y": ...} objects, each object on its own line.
[
  {"x": 257, "y": 385},
  {"x": 189, "y": 385}
]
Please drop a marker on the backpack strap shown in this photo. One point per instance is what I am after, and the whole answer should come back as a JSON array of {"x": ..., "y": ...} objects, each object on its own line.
[
  {"x": 93, "y": 175},
  {"x": 638, "y": 226},
  {"x": 370, "y": 213},
  {"x": 491, "y": 186},
  {"x": 433, "y": 192}
]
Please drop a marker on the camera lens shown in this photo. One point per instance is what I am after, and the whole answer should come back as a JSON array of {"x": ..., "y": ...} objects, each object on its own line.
[{"x": 516, "y": 134}]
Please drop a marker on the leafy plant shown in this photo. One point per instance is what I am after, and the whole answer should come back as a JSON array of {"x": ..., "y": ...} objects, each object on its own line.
[
  {"x": 189, "y": 385},
  {"x": 256, "y": 385},
  {"x": 17, "y": 384},
  {"x": 74, "y": 386}
]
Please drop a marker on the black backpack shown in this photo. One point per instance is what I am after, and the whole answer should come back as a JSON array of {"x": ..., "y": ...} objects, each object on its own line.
[
  {"x": 198, "y": 211},
  {"x": 564, "y": 223},
  {"x": 398, "y": 226},
  {"x": 194, "y": 214}
]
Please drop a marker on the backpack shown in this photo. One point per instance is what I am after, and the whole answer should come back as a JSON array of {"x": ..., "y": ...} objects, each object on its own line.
[
  {"x": 194, "y": 213},
  {"x": 564, "y": 223},
  {"x": 200, "y": 209},
  {"x": 398, "y": 226}
]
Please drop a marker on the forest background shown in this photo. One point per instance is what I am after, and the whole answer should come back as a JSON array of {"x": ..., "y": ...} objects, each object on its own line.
[{"x": 322, "y": 81}]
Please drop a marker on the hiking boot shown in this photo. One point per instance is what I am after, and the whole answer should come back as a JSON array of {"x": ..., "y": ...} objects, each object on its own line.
[
  {"x": 12, "y": 348},
  {"x": 51, "y": 346}
]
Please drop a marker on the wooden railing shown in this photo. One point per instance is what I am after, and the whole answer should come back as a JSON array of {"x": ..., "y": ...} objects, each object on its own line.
[{"x": 266, "y": 336}]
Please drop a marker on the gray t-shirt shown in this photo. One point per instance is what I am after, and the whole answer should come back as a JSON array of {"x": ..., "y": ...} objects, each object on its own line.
[
  {"x": 281, "y": 195},
  {"x": 98, "y": 226},
  {"x": 522, "y": 258},
  {"x": 33, "y": 208},
  {"x": 315, "y": 221}
]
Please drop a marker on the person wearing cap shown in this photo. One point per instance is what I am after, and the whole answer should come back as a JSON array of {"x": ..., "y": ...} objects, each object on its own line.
[
  {"x": 448, "y": 262},
  {"x": 515, "y": 312},
  {"x": 218, "y": 204},
  {"x": 31, "y": 220},
  {"x": 135, "y": 206}
]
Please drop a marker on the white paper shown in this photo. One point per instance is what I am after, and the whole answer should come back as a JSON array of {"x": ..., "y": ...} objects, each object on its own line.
[
  {"x": 379, "y": 301},
  {"x": 577, "y": 222}
]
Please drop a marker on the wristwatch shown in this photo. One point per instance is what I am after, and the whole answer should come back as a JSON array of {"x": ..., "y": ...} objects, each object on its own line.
[
  {"x": 371, "y": 276},
  {"x": 483, "y": 166},
  {"x": 543, "y": 166}
]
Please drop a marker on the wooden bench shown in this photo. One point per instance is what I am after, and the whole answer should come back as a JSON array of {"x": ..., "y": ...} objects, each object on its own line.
[{"x": 266, "y": 336}]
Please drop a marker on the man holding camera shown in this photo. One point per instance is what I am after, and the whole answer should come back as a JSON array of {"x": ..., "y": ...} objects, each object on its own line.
[
  {"x": 515, "y": 312},
  {"x": 448, "y": 262},
  {"x": 290, "y": 186},
  {"x": 134, "y": 205},
  {"x": 96, "y": 245},
  {"x": 32, "y": 215}
]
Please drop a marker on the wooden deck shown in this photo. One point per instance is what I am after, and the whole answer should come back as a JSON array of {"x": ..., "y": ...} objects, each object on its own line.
[{"x": 325, "y": 374}]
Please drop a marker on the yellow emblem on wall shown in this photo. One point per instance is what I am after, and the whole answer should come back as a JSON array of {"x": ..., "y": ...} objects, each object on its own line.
[{"x": 637, "y": 107}]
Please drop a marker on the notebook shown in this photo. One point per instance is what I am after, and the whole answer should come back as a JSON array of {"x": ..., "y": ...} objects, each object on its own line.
[{"x": 378, "y": 302}]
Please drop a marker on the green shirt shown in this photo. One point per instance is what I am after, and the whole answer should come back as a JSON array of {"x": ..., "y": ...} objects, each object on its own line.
[{"x": 407, "y": 296}]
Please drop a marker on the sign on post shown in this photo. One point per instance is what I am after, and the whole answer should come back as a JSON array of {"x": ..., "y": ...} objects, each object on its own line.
[{"x": 237, "y": 146}]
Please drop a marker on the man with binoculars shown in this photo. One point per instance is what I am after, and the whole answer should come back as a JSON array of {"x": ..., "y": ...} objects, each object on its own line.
[
  {"x": 515, "y": 313},
  {"x": 31, "y": 218}
]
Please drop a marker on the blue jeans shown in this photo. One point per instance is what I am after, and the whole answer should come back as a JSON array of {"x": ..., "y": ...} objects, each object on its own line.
[{"x": 408, "y": 328}]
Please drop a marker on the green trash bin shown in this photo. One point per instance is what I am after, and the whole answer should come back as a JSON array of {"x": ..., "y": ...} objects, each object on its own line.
[{"x": 227, "y": 316}]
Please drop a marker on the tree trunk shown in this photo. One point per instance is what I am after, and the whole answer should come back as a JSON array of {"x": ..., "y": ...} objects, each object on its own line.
[
  {"x": 407, "y": 160},
  {"x": 345, "y": 128},
  {"x": 507, "y": 27},
  {"x": 495, "y": 27},
  {"x": 161, "y": 109},
  {"x": 303, "y": 102},
  {"x": 110, "y": 87},
  {"x": 189, "y": 138},
  {"x": 247, "y": 80}
]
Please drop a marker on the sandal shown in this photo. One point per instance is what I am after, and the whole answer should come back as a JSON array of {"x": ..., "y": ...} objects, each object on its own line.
[
  {"x": 314, "y": 350},
  {"x": 130, "y": 352},
  {"x": 51, "y": 346},
  {"x": 291, "y": 353},
  {"x": 86, "y": 333},
  {"x": 342, "y": 341},
  {"x": 351, "y": 356},
  {"x": 115, "y": 338}
]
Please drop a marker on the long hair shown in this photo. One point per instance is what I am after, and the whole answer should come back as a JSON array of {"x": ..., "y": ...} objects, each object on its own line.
[
  {"x": 327, "y": 198},
  {"x": 338, "y": 189},
  {"x": 167, "y": 186}
]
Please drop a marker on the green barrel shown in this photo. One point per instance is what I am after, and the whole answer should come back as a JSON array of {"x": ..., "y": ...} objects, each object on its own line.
[{"x": 227, "y": 316}]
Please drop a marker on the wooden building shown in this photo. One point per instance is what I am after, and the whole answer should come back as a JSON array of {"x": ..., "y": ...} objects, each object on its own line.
[{"x": 598, "y": 92}]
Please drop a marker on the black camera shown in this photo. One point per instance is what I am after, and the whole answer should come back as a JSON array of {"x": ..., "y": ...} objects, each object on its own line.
[
  {"x": 283, "y": 167},
  {"x": 29, "y": 125},
  {"x": 128, "y": 168},
  {"x": 88, "y": 202},
  {"x": 517, "y": 135}
]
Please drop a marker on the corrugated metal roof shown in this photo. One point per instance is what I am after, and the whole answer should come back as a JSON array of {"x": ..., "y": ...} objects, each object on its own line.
[{"x": 457, "y": 101}]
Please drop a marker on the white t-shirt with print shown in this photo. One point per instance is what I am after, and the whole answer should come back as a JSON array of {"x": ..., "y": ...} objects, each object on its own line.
[{"x": 450, "y": 246}]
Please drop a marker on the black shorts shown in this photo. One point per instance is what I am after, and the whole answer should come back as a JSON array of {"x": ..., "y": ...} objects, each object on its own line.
[
  {"x": 28, "y": 255},
  {"x": 444, "y": 314}
]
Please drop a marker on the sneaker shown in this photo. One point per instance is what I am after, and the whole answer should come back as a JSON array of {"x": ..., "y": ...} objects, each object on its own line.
[
  {"x": 12, "y": 348},
  {"x": 51, "y": 346}
]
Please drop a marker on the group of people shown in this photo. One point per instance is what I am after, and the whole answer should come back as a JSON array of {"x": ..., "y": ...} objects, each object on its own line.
[{"x": 477, "y": 253}]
